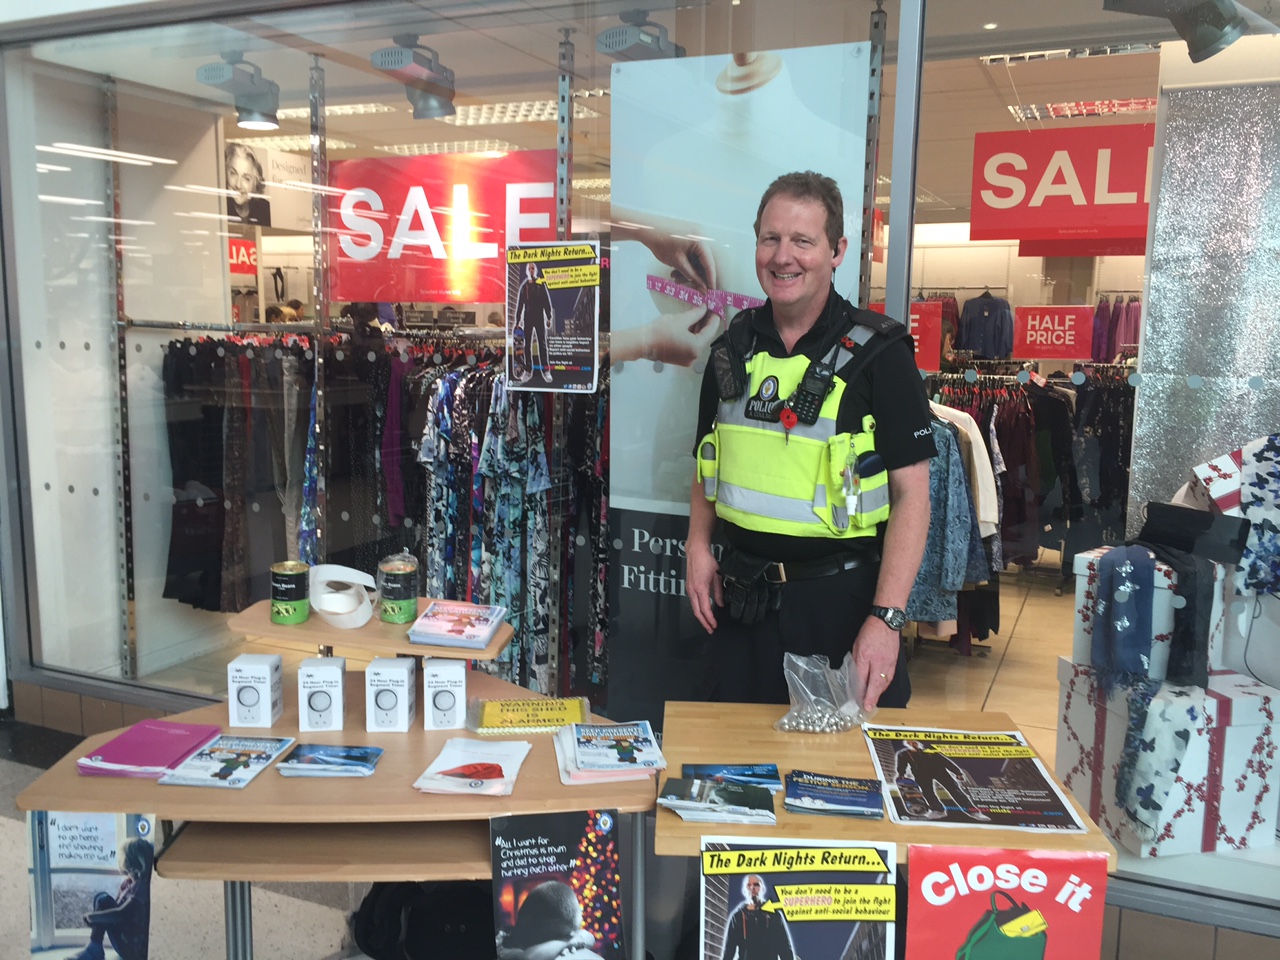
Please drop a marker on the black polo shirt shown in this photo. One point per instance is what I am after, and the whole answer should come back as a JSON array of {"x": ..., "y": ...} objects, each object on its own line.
[{"x": 890, "y": 389}]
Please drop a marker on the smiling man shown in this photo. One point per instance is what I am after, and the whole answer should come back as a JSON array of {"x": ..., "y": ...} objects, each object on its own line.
[{"x": 813, "y": 458}]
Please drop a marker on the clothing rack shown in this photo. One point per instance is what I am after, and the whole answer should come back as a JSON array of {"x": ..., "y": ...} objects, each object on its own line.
[{"x": 220, "y": 328}]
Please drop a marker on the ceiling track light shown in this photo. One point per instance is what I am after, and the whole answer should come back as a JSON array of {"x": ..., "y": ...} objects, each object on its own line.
[
  {"x": 428, "y": 84},
  {"x": 639, "y": 38},
  {"x": 256, "y": 98}
]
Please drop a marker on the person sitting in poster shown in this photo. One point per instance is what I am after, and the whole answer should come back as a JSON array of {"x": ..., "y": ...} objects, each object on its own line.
[
  {"x": 126, "y": 917},
  {"x": 246, "y": 203},
  {"x": 754, "y": 933},
  {"x": 917, "y": 771},
  {"x": 549, "y": 925},
  {"x": 534, "y": 316}
]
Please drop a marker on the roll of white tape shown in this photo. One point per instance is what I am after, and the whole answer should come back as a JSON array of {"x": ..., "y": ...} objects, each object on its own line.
[{"x": 343, "y": 597}]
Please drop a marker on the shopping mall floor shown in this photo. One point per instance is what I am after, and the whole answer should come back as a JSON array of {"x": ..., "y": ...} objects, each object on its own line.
[{"x": 1013, "y": 673}]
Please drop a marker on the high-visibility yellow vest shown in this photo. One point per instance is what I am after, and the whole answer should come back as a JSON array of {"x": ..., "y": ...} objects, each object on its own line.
[{"x": 799, "y": 482}]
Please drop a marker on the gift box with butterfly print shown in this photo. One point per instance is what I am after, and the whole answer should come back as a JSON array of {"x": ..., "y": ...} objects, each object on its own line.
[
  {"x": 1164, "y": 769},
  {"x": 1163, "y": 602}
]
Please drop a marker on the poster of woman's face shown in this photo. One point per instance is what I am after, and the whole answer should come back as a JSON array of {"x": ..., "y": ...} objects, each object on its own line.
[{"x": 246, "y": 201}]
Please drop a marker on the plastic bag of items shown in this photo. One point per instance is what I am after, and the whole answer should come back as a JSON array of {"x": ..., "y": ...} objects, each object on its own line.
[{"x": 823, "y": 700}]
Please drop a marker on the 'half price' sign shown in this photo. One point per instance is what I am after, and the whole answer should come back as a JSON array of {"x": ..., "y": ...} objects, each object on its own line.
[{"x": 1052, "y": 332}]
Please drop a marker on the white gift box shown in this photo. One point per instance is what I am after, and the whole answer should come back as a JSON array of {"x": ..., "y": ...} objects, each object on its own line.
[
  {"x": 1224, "y": 794},
  {"x": 1086, "y": 570},
  {"x": 1219, "y": 479}
]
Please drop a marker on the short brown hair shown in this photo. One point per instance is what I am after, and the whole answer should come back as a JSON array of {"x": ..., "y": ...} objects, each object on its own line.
[{"x": 809, "y": 186}]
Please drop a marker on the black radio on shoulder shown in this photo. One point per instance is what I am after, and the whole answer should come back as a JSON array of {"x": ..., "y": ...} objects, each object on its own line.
[{"x": 729, "y": 368}]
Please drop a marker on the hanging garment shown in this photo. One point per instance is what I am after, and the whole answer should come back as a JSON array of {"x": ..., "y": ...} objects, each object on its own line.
[
  {"x": 1122, "y": 635},
  {"x": 986, "y": 327},
  {"x": 1259, "y": 568},
  {"x": 946, "y": 556},
  {"x": 1101, "y": 331}
]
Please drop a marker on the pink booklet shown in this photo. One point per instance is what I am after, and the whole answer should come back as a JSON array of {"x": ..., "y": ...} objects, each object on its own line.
[{"x": 150, "y": 748}]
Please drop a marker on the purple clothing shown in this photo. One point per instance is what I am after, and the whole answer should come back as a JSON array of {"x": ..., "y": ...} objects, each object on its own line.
[
  {"x": 393, "y": 444},
  {"x": 1101, "y": 330},
  {"x": 1128, "y": 328}
]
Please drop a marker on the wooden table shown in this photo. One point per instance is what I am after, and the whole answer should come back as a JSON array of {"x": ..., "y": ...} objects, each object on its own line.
[
  {"x": 376, "y": 637},
  {"x": 743, "y": 733},
  {"x": 344, "y": 829}
]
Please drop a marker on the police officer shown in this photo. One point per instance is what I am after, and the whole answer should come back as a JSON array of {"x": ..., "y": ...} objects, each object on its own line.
[{"x": 814, "y": 447}]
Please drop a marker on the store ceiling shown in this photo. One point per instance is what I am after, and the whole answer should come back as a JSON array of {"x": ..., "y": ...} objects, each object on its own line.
[{"x": 506, "y": 50}]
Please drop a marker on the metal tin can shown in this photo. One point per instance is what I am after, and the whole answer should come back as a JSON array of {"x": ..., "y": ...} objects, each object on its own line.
[
  {"x": 290, "y": 592},
  {"x": 398, "y": 588}
]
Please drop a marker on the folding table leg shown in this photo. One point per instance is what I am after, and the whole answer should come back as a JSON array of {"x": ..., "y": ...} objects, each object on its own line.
[
  {"x": 637, "y": 886},
  {"x": 238, "y": 908}
]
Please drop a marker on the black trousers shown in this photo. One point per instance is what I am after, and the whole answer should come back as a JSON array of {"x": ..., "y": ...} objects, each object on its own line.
[{"x": 819, "y": 616}]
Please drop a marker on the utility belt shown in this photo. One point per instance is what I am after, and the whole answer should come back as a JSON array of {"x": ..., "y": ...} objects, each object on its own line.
[{"x": 753, "y": 585}]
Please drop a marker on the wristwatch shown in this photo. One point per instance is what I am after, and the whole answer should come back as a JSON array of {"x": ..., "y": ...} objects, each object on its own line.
[{"x": 895, "y": 617}]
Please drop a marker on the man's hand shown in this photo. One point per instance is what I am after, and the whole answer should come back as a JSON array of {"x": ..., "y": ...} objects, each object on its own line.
[
  {"x": 679, "y": 338},
  {"x": 875, "y": 659},
  {"x": 692, "y": 258},
  {"x": 702, "y": 583}
]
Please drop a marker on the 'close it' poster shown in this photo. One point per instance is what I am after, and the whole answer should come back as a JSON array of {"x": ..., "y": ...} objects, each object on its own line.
[
  {"x": 990, "y": 904},
  {"x": 695, "y": 142}
]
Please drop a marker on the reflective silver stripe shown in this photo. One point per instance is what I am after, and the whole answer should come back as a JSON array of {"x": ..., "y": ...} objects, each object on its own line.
[
  {"x": 735, "y": 414},
  {"x": 861, "y": 333},
  {"x": 709, "y": 487},
  {"x": 872, "y": 500},
  {"x": 768, "y": 505}
]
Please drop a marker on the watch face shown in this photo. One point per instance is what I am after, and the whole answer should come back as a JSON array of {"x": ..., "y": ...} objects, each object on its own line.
[{"x": 896, "y": 619}]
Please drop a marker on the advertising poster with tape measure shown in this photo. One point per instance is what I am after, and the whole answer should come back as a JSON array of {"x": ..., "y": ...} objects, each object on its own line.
[
  {"x": 553, "y": 316},
  {"x": 774, "y": 898},
  {"x": 973, "y": 903},
  {"x": 694, "y": 143}
]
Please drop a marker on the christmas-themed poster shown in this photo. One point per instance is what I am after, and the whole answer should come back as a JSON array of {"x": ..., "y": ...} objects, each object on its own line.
[{"x": 556, "y": 886}]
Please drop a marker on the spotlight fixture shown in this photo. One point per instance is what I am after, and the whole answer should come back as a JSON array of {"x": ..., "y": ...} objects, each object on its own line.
[
  {"x": 428, "y": 84},
  {"x": 1207, "y": 26},
  {"x": 632, "y": 41},
  {"x": 256, "y": 98}
]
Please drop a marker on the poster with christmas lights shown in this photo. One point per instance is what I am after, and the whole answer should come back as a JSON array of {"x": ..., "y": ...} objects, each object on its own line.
[
  {"x": 774, "y": 898},
  {"x": 556, "y": 886},
  {"x": 985, "y": 903}
]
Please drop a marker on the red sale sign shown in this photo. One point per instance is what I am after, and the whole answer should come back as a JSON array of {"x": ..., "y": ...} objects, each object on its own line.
[
  {"x": 926, "y": 331},
  {"x": 242, "y": 255},
  {"x": 1062, "y": 183},
  {"x": 1053, "y": 333},
  {"x": 435, "y": 228},
  {"x": 987, "y": 903}
]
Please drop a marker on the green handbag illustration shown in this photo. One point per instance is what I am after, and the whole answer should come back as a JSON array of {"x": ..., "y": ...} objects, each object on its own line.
[{"x": 1015, "y": 933}]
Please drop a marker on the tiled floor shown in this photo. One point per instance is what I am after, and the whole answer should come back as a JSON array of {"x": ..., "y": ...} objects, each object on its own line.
[{"x": 1015, "y": 672}]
